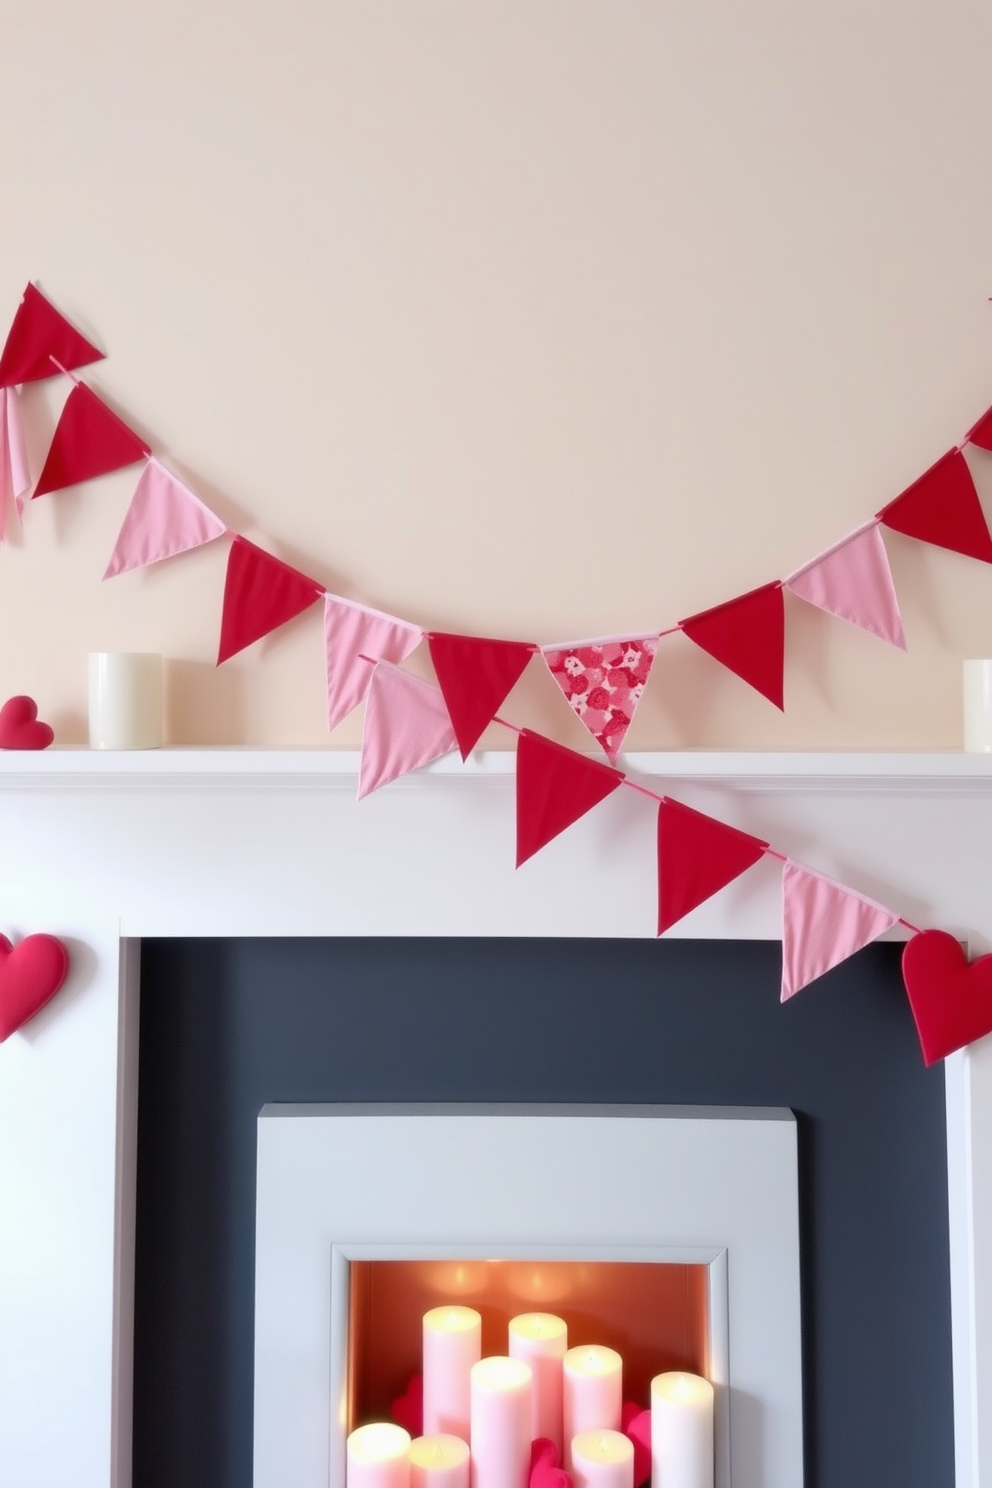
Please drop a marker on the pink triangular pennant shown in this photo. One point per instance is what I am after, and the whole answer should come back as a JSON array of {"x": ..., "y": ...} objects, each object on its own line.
[
  {"x": 355, "y": 637},
  {"x": 603, "y": 682},
  {"x": 163, "y": 519},
  {"x": 822, "y": 924},
  {"x": 853, "y": 581},
  {"x": 15, "y": 477},
  {"x": 406, "y": 726}
]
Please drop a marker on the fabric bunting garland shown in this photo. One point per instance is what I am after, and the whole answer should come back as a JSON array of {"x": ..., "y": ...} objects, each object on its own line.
[
  {"x": 355, "y": 637},
  {"x": 163, "y": 519},
  {"x": 90, "y": 440},
  {"x": 406, "y": 726},
  {"x": 697, "y": 856},
  {"x": 943, "y": 508},
  {"x": 853, "y": 581},
  {"x": 747, "y": 635},
  {"x": 409, "y": 722},
  {"x": 603, "y": 682},
  {"x": 41, "y": 343},
  {"x": 260, "y": 594},
  {"x": 823, "y": 923},
  {"x": 555, "y": 786},
  {"x": 475, "y": 676}
]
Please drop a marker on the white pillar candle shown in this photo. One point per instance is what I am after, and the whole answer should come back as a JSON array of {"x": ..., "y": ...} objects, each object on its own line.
[
  {"x": 592, "y": 1393},
  {"x": 977, "y": 690},
  {"x": 681, "y": 1431},
  {"x": 540, "y": 1339},
  {"x": 602, "y": 1459},
  {"x": 125, "y": 700},
  {"x": 439, "y": 1462},
  {"x": 452, "y": 1344},
  {"x": 501, "y": 1410},
  {"x": 378, "y": 1457}
]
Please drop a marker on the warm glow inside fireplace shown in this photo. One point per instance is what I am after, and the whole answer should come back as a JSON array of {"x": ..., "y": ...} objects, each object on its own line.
[{"x": 655, "y": 1315}]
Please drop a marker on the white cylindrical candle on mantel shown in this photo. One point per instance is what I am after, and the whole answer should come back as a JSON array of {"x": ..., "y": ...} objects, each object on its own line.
[
  {"x": 501, "y": 1413},
  {"x": 439, "y": 1462},
  {"x": 602, "y": 1459},
  {"x": 681, "y": 1431},
  {"x": 452, "y": 1344},
  {"x": 977, "y": 696},
  {"x": 592, "y": 1396},
  {"x": 378, "y": 1456},
  {"x": 540, "y": 1339},
  {"x": 125, "y": 700}
]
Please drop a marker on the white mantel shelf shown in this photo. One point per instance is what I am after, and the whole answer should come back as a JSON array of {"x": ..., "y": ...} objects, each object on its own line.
[
  {"x": 245, "y": 768},
  {"x": 104, "y": 849}
]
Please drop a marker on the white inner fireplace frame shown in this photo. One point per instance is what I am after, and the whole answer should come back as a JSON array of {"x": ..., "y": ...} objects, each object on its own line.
[
  {"x": 703, "y": 1186},
  {"x": 104, "y": 849}
]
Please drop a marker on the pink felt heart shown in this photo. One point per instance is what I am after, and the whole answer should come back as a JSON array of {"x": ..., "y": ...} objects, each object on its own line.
[
  {"x": 30, "y": 975},
  {"x": 407, "y": 1410},
  {"x": 951, "y": 999},
  {"x": 635, "y": 1423},
  {"x": 544, "y": 1469},
  {"x": 19, "y": 726}
]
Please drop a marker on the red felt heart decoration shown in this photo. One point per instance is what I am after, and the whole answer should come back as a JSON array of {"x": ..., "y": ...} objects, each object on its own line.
[
  {"x": 30, "y": 975},
  {"x": 635, "y": 1423},
  {"x": 951, "y": 999},
  {"x": 544, "y": 1469},
  {"x": 407, "y": 1410},
  {"x": 19, "y": 726}
]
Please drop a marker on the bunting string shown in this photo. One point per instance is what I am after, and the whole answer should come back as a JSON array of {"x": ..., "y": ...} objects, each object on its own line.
[{"x": 409, "y": 722}]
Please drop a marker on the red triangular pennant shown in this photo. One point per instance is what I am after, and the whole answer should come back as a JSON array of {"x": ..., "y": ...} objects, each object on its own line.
[
  {"x": 89, "y": 440},
  {"x": 943, "y": 508},
  {"x": 555, "y": 786},
  {"x": 747, "y": 635},
  {"x": 697, "y": 856},
  {"x": 475, "y": 676},
  {"x": 260, "y": 594},
  {"x": 37, "y": 334},
  {"x": 981, "y": 433}
]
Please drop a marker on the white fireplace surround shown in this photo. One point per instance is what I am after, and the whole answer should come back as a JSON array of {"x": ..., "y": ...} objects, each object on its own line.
[{"x": 102, "y": 849}]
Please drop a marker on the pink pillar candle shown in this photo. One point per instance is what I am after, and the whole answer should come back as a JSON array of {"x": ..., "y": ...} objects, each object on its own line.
[
  {"x": 681, "y": 1431},
  {"x": 602, "y": 1459},
  {"x": 501, "y": 1412},
  {"x": 592, "y": 1394},
  {"x": 452, "y": 1344},
  {"x": 378, "y": 1456},
  {"x": 439, "y": 1462},
  {"x": 540, "y": 1340}
]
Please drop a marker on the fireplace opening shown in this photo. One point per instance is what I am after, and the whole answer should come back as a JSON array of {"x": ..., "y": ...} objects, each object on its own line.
[
  {"x": 228, "y": 1026},
  {"x": 655, "y": 1315}
]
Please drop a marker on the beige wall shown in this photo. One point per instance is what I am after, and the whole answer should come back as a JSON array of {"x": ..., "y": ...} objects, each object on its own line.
[{"x": 534, "y": 318}]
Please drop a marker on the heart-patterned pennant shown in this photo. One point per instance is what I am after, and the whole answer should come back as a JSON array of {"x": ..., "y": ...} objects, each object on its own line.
[
  {"x": 951, "y": 997},
  {"x": 30, "y": 975},
  {"x": 20, "y": 727}
]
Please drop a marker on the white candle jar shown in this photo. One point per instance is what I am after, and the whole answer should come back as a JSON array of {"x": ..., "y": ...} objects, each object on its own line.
[{"x": 125, "y": 700}]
